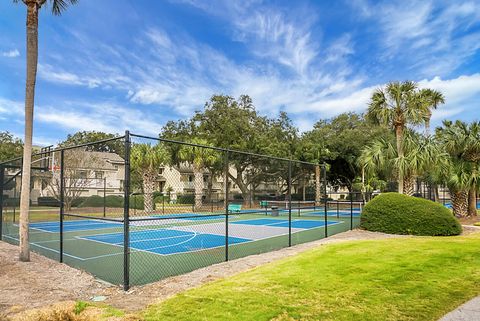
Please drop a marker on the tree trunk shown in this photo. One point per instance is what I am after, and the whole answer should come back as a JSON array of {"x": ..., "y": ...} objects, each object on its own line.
[
  {"x": 436, "y": 194},
  {"x": 303, "y": 190},
  {"x": 210, "y": 187},
  {"x": 427, "y": 123},
  {"x": 472, "y": 202},
  {"x": 460, "y": 203},
  {"x": 148, "y": 188},
  {"x": 318, "y": 189},
  {"x": 409, "y": 185},
  {"x": 399, "y": 138},
  {"x": 32, "y": 59},
  {"x": 198, "y": 185}
]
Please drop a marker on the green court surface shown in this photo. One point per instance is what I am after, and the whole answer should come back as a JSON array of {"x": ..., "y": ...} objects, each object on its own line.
[{"x": 168, "y": 245}]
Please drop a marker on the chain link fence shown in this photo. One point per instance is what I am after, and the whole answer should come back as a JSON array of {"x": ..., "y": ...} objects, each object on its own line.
[{"x": 136, "y": 209}]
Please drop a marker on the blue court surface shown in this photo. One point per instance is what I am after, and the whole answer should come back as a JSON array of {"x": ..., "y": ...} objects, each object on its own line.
[
  {"x": 165, "y": 242},
  {"x": 449, "y": 205},
  {"x": 73, "y": 226},
  {"x": 303, "y": 224},
  {"x": 191, "y": 216}
]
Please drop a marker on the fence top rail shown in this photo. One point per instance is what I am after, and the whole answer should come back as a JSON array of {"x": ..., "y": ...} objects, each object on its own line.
[
  {"x": 59, "y": 149},
  {"x": 222, "y": 149}
]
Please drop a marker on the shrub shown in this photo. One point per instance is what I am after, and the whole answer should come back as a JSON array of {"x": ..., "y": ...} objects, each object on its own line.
[
  {"x": 400, "y": 214},
  {"x": 97, "y": 201},
  {"x": 9, "y": 202},
  {"x": 92, "y": 201},
  {"x": 137, "y": 202},
  {"x": 79, "y": 200},
  {"x": 476, "y": 223},
  {"x": 48, "y": 201},
  {"x": 160, "y": 199},
  {"x": 186, "y": 199},
  {"x": 238, "y": 197}
]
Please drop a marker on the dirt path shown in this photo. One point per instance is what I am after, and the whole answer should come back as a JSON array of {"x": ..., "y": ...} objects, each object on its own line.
[{"x": 43, "y": 282}]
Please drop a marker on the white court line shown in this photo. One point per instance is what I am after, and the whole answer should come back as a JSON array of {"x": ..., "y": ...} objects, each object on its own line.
[{"x": 49, "y": 249}]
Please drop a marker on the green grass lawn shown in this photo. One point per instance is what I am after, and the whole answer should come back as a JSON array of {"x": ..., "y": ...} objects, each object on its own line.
[{"x": 418, "y": 278}]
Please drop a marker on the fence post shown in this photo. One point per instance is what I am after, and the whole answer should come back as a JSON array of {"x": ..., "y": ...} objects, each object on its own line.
[
  {"x": 104, "y": 197},
  {"x": 14, "y": 197},
  {"x": 2, "y": 180},
  {"x": 62, "y": 200},
  {"x": 126, "y": 218},
  {"x": 324, "y": 180},
  {"x": 226, "y": 205},
  {"x": 351, "y": 211},
  {"x": 290, "y": 203}
]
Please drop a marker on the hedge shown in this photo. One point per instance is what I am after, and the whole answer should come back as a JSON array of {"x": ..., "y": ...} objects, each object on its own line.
[
  {"x": 14, "y": 201},
  {"x": 186, "y": 199},
  {"x": 48, "y": 201},
  {"x": 97, "y": 201},
  {"x": 395, "y": 213}
]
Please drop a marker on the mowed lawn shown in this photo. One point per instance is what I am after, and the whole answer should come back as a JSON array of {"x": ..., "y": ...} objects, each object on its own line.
[{"x": 417, "y": 278}]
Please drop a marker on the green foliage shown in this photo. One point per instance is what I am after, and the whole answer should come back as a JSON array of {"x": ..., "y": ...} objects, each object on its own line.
[
  {"x": 10, "y": 202},
  {"x": 98, "y": 201},
  {"x": 138, "y": 202},
  {"x": 400, "y": 214},
  {"x": 10, "y": 146},
  {"x": 421, "y": 154},
  {"x": 161, "y": 199},
  {"x": 84, "y": 137},
  {"x": 476, "y": 223},
  {"x": 48, "y": 201},
  {"x": 339, "y": 141},
  {"x": 79, "y": 307},
  {"x": 186, "y": 199}
]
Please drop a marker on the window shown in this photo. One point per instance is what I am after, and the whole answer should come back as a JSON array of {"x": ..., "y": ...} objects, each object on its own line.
[
  {"x": 98, "y": 175},
  {"x": 160, "y": 171},
  {"x": 190, "y": 178},
  {"x": 82, "y": 174}
]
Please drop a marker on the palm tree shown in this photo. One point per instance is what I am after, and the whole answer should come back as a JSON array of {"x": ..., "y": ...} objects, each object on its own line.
[
  {"x": 431, "y": 98},
  {"x": 420, "y": 155},
  {"x": 462, "y": 142},
  {"x": 200, "y": 158},
  {"x": 146, "y": 161},
  {"x": 395, "y": 106},
  {"x": 33, "y": 6}
]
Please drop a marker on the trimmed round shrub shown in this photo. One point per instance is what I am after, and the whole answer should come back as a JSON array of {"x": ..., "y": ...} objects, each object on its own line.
[{"x": 401, "y": 214}]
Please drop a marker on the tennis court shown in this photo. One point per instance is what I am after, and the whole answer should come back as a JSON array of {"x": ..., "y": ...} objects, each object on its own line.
[
  {"x": 180, "y": 239},
  {"x": 167, "y": 245}
]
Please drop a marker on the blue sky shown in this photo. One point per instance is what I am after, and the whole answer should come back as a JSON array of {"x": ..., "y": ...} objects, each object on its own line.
[{"x": 116, "y": 64}]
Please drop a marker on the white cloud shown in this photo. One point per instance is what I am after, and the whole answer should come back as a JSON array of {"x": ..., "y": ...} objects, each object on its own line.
[
  {"x": 430, "y": 37},
  {"x": 49, "y": 73},
  {"x": 106, "y": 117},
  {"x": 11, "y": 54}
]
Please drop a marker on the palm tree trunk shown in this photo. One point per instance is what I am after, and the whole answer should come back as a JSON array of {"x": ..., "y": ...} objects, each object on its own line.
[
  {"x": 399, "y": 137},
  {"x": 472, "y": 202},
  {"x": 460, "y": 203},
  {"x": 32, "y": 59},
  {"x": 409, "y": 185},
  {"x": 427, "y": 123},
  {"x": 318, "y": 190},
  {"x": 148, "y": 188},
  {"x": 198, "y": 182}
]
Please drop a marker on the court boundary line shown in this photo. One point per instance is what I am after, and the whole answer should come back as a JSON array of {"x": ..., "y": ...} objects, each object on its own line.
[{"x": 221, "y": 246}]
